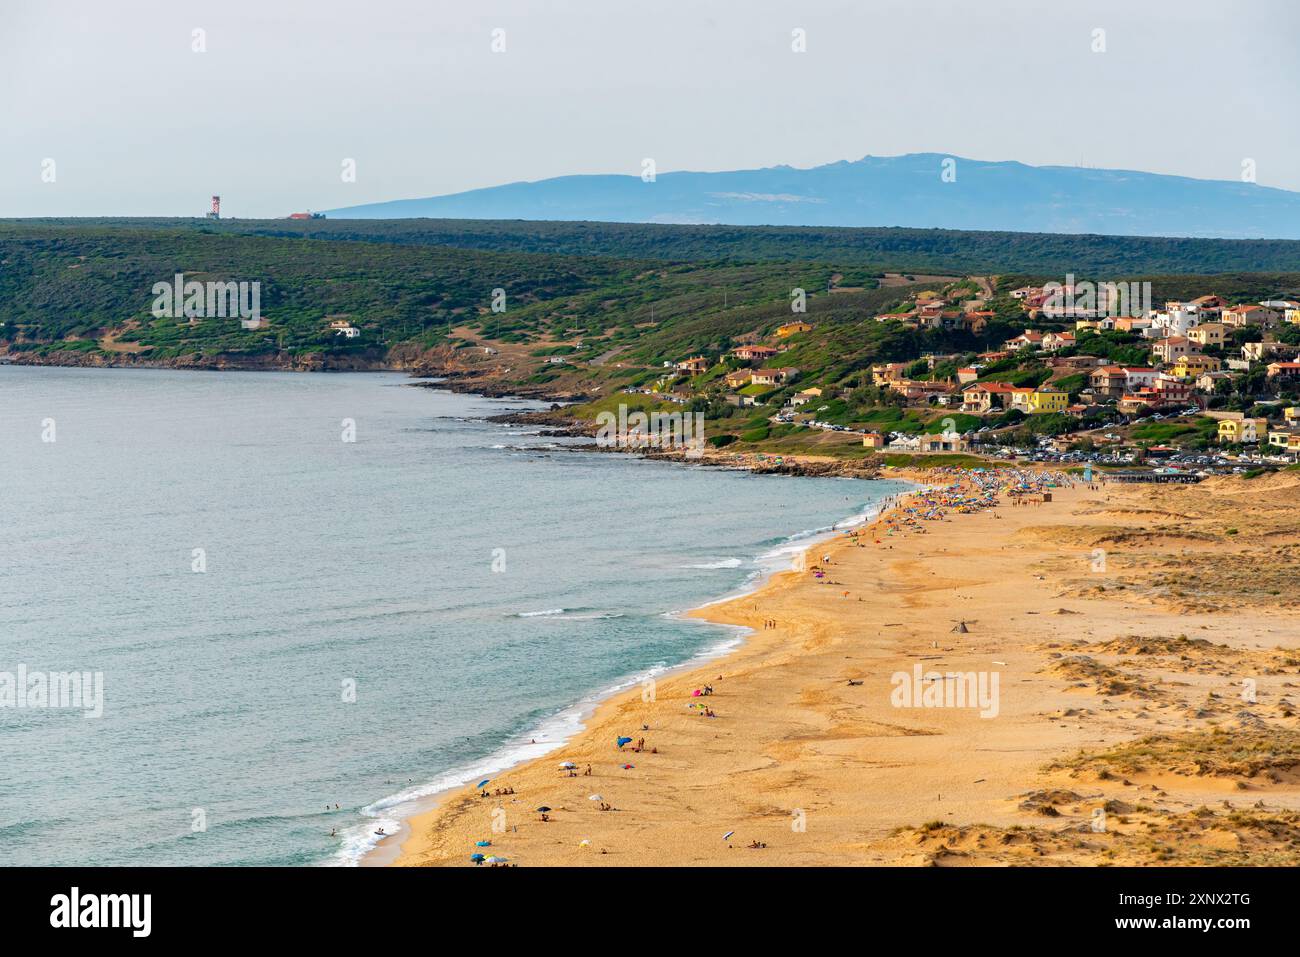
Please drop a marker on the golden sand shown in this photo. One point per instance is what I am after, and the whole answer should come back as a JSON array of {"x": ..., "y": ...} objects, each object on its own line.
[{"x": 1144, "y": 640}]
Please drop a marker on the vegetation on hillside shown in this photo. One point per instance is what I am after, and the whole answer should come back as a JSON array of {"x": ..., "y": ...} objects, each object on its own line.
[{"x": 860, "y": 253}]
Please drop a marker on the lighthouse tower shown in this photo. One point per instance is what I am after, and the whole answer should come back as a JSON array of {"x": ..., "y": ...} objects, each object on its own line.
[{"x": 216, "y": 208}]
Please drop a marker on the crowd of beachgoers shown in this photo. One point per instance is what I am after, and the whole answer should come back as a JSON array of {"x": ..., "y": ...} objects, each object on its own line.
[{"x": 967, "y": 491}]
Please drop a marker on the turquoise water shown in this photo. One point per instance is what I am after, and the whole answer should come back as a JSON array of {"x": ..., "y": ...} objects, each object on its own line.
[{"x": 474, "y": 592}]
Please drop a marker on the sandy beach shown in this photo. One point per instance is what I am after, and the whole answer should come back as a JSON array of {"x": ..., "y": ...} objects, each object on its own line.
[{"x": 1142, "y": 641}]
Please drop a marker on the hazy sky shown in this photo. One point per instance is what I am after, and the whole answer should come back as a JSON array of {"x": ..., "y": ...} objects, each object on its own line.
[{"x": 137, "y": 123}]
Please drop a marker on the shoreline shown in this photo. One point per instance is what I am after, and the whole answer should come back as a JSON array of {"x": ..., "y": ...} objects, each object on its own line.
[
  {"x": 388, "y": 850},
  {"x": 805, "y": 731},
  {"x": 392, "y": 850}
]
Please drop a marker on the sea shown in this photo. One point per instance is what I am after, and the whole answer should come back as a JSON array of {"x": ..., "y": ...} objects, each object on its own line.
[{"x": 308, "y": 601}]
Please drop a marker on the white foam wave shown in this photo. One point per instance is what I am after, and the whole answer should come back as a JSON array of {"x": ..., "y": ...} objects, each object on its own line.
[{"x": 720, "y": 563}]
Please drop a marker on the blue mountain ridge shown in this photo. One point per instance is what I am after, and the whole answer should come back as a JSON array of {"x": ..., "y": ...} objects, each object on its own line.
[{"x": 887, "y": 191}]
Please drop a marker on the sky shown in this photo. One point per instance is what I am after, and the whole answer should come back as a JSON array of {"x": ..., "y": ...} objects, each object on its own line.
[{"x": 123, "y": 108}]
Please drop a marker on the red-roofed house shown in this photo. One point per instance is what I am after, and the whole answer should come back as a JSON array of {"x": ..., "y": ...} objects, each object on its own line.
[
  {"x": 749, "y": 353},
  {"x": 1109, "y": 381},
  {"x": 773, "y": 376},
  {"x": 981, "y": 397},
  {"x": 693, "y": 366},
  {"x": 1054, "y": 341},
  {"x": 1249, "y": 315},
  {"x": 1028, "y": 338}
]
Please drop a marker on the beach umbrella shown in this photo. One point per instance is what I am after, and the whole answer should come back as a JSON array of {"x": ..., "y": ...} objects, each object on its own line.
[
  {"x": 584, "y": 843},
  {"x": 477, "y": 858},
  {"x": 623, "y": 741},
  {"x": 594, "y": 797},
  {"x": 566, "y": 765},
  {"x": 728, "y": 834},
  {"x": 543, "y": 809},
  {"x": 497, "y": 860},
  {"x": 628, "y": 767},
  {"x": 482, "y": 843},
  {"x": 482, "y": 783}
]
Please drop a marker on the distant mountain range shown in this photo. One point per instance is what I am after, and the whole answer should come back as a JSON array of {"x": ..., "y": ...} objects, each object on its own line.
[{"x": 905, "y": 190}]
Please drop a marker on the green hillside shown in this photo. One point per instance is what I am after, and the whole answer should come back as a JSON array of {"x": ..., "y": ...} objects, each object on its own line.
[
  {"x": 858, "y": 250},
  {"x": 577, "y": 326}
]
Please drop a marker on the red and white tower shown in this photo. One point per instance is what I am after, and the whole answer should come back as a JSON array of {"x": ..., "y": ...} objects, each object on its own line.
[{"x": 216, "y": 208}]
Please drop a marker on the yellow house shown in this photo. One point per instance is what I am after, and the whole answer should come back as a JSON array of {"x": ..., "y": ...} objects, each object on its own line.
[
  {"x": 1208, "y": 334},
  {"x": 1241, "y": 431},
  {"x": 1194, "y": 364},
  {"x": 1293, "y": 316},
  {"x": 1291, "y": 414},
  {"x": 792, "y": 328},
  {"x": 1287, "y": 440},
  {"x": 1048, "y": 400}
]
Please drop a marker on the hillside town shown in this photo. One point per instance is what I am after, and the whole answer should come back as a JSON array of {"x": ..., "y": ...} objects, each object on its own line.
[{"x": 1205, "y": 384}]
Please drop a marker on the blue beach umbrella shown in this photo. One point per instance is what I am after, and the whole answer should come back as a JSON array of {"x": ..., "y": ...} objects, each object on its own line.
[
  {"x": 482, "y": 843},
  {"x": 482, "y": 783},
  {"x": 477, "y": 858},
  {"x": 623, "y": 741}
]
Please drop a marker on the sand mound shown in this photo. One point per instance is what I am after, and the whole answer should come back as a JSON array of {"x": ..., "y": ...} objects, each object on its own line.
[
  {"x": 1088, "y": 674},
  {"x": 1250, "y": 836},
  {"x": 1045, "y": 802},
  {"x": 1159, "y": 645},
  {"x": 1246, "y": 748}
]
